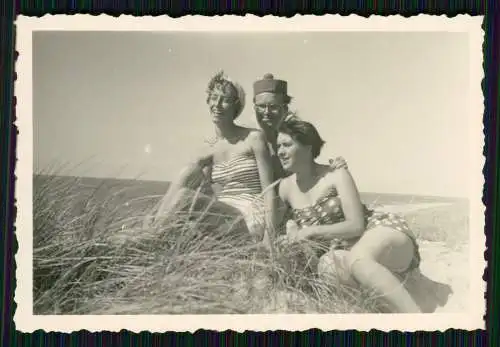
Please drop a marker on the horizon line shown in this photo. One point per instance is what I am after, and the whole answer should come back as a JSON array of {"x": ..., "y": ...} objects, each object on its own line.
[{"x": 164, "y": 182}]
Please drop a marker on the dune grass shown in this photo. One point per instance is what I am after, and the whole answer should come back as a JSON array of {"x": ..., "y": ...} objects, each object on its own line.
[{"x": 92, "y": 255}]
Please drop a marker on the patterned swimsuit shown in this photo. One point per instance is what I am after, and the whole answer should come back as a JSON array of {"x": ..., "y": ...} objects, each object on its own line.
[
  {"x": 240, "y": 185},
  {"x": 328, "y": 210}
]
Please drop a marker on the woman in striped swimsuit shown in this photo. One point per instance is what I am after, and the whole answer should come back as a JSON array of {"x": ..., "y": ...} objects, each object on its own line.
[
  {"x": 238, "y": 162},
  {"x": 241, "y": 187}
]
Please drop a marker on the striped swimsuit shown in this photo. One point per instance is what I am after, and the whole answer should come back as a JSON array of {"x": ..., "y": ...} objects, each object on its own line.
[{"x": 240, "y": 185}]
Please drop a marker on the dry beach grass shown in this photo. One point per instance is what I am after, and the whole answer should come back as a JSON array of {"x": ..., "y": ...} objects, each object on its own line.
[{"x": 92, "y": 256}]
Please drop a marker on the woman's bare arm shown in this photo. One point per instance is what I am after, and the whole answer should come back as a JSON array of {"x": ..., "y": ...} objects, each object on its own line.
[
  {"x": 354, "y": 224},
  {"x": 266, "y": 174},
  {"x": 282, "y": 190},
  {"x": 191, "y": 177}
]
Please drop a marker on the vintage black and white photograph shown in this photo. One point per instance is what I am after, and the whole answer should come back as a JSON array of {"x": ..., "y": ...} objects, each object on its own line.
[{"x": 242, "y": 172}]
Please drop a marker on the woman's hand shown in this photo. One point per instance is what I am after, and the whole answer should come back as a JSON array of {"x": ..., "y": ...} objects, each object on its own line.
[
  {"x": 338, "y": 163},
  {"x": 295, "y": 236},
  {"x": 291, "y": 237}
]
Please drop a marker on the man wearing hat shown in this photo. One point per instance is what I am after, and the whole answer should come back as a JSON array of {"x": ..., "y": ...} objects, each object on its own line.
[{"x": 271, "y": 102}]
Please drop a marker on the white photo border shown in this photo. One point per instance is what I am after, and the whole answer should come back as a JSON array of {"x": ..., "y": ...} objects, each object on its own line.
[{"x": 27, "y": 322}]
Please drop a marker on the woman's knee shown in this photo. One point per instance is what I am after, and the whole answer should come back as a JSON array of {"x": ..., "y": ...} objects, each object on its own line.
[
  {"x": 387, "y": 246},
  {"x": 356, "y": 255}
]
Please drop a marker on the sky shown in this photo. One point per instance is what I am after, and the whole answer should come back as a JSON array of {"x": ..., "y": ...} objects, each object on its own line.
[{"x": 132, "y": 104}]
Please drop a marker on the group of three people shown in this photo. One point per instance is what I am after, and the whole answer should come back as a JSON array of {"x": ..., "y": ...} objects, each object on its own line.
[{"x": 269, "y": 176}]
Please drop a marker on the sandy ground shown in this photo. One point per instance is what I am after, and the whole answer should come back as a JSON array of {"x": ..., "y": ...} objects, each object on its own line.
[{"x": 442, "y": 284}]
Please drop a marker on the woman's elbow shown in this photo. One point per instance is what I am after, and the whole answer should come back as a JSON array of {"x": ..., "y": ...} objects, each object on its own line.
[
  {"x": 190, "y": 175},
  {"x": 185, "y": 173},
  {"x": 358, "y": 227}
]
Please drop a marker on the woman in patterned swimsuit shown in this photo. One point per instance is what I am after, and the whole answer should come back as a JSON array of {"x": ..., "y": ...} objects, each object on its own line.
[{"x": 327, "y": 209}]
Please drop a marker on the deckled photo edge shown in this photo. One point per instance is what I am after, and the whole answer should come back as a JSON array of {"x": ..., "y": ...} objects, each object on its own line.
[{"x": 27, "y": 322}]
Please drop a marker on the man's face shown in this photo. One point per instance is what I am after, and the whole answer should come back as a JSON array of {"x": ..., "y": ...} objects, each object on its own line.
[{"x": 270, "y": 110}]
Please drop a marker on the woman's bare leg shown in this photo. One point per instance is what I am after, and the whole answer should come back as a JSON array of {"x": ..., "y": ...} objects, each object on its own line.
[
  {"x": 380, "y": 251},
  {"x": 332, "y": 267}
]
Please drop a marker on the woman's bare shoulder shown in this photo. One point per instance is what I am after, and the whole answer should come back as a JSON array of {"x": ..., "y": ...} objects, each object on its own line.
[
  {"x": 285, "y": 185},
  {"x": 253, "y": 130},
  {"x": 335, "y": 175},
  {"x": 256, "y": 140},
  {"x": 289, "y": 180},
  {"x": 205, "y": 153},
  {"x": 255, "y": 135},
  {"x": 341, "y": 178}
]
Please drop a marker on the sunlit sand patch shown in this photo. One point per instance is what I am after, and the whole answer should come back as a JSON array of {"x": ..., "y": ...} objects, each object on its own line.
[{"x": 442, "y": 284}]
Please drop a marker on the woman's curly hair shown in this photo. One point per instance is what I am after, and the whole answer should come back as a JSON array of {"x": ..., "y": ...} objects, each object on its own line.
[{"x": 224, "y": 83}]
